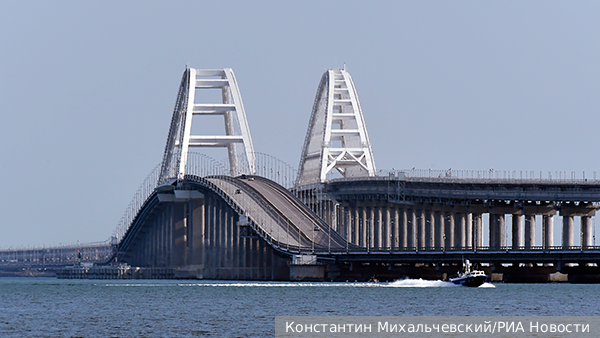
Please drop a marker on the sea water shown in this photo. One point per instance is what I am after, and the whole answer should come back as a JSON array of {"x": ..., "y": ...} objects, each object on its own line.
[{"x": 48, "y": 307}]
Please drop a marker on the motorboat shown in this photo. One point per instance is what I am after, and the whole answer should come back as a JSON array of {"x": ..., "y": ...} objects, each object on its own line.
[{"x": 469, "y": 277}]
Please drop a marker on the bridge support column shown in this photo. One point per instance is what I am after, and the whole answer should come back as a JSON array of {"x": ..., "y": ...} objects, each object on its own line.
[
  {"x": 149, "y": 239},
  {"x": 160, "y": 261},
  {"x": 421, "y": 229},
  {"x": 381, "y": 228},
  {"x": 348, "y": 222},
  {"x": 587, "y": 240},
  {"x": 169, "y": 235},
  {"x": 363, "y": 224},
  {"x": 529, "y": 231},
  {"x": 548, "y": 229},
  {"x": 469, "y": 231},
  {"x": 375, "y": 227},
  {"x": 372, "y": 227},
  {"x": 497, "y": 231},
  {"x": 430, "y": 230},
  {"x": 412, "y": 227},
  {"x": 477, "y": 230},
  {"x": 449, "y": 231},
  {"x": 501, "y": 231},
  {"x": 338, "y": 219},
  {"x": 517, "y": 231},
  {"x": 255, "y": 258},
  {"x": 220, "y": 240},
  {"x": 396, "y": 236},
  {"x": 439, "y": 230},
  {"x": 196, "y": 231},
  {"x": 179, "y": 235},
  {"x": 387, "y": 235},
  {"x": 568, "y": 232},
  {"x": 492, "y": 231},
  {"x": 403, "y": 243},
  {"x": 586, "y": 211},
  {"x": 149, "y": 259},
  {"x": 461, "y": 226},
  {"x": 356, "y": 226}
]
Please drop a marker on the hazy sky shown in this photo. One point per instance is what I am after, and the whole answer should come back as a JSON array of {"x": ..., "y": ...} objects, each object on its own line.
[{"x": 87, "y": 90}]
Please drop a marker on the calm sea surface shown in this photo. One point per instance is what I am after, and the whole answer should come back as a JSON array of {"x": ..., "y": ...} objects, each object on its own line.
[{"x": 46, "y": 307}]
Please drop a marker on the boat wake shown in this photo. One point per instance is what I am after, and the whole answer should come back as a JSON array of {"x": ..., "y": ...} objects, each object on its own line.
[
  {"x": 487, "y": 286},
  {"x": 404, "y": 283},
  {"x": 420, "y": 283}
]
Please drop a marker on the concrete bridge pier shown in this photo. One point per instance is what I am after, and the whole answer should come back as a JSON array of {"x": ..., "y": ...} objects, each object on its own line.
[
  {"x": 339, "y": 224},
  {"x": 429, "y": 229},
  {"x": 439, "y": 230},
  {"x": 356, "y": 226},
  {"x": 178, "y": 244},
  {"x": 449, "y": 230},
  {"x": 199, "y": 235},
  {"x": 411, "y": 229},
  {"x": 421, "y": 238},
  {"x": 587, "y": 237},
  {"x": 461, "y": 229},
  {"x": 586, "y": 211},
  {"x": 517, "y": 231},
  {"x": 529, "y": 231},
  {"x": 497, "y": 231},
  {"x": 568, "y": 239},
  {"x": 396, "y": 235},
  {"x": 403, "y": 242},
  {"x": 469, "y": 231},
  {"x": 347, "y": 216},
  {"x": 363, "y": 228},
  {"x": 389, "y": 228},
  {"x": 477, "y": 230},
  {"x": 373, "y": 228},
  {"x": 548, "y": 231}
]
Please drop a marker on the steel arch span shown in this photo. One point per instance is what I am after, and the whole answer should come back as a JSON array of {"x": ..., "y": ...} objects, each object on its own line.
[
  {"x": 237, "y": 138},
  {"x": 200, "y": 219},
  {"x": 337, "y": 135}
]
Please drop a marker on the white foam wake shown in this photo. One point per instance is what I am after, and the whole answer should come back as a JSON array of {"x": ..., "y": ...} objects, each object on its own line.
[
  {"x": 404, "y": 283},
  {"x": 487, "y": 286},
  {"x": 420, "y": 283}
]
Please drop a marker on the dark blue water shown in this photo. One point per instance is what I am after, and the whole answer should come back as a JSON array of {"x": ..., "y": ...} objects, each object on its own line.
[{"x": 45, "y": 307}]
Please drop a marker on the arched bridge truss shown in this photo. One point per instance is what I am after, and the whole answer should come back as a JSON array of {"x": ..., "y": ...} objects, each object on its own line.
[{"x": 226, "y": 222}]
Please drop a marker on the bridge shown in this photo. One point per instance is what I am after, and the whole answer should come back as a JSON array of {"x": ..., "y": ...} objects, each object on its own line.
[{"x": 338, "y": 217}]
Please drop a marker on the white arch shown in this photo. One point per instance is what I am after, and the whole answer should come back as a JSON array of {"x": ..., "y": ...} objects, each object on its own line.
[
  {"x": 237, "y": 138},
  {"x": 337, "y": 135}
]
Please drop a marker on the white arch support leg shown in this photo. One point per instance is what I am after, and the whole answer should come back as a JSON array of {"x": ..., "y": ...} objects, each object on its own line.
[
  {"x": 237, "y": 138},
  {"x": 337, "y": 136}
]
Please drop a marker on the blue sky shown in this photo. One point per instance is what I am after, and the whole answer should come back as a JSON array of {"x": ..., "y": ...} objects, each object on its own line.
[{"x": 87, "y": 91}]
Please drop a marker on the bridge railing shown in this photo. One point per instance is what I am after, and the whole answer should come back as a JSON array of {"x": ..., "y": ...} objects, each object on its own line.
[
  {"x": 269, "y": 225},
  {"x": 276, "y": 170},
  {"x": 480, "y": 249},
  {"x": 517, "y": 176},
  {"x": 483, "y": 176},
  {"x": 58, "y": 255},
  {"x": 267, "y": 166},
  {"x": 201, "y": 165},
  {"x": 144, "y": 191}
]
